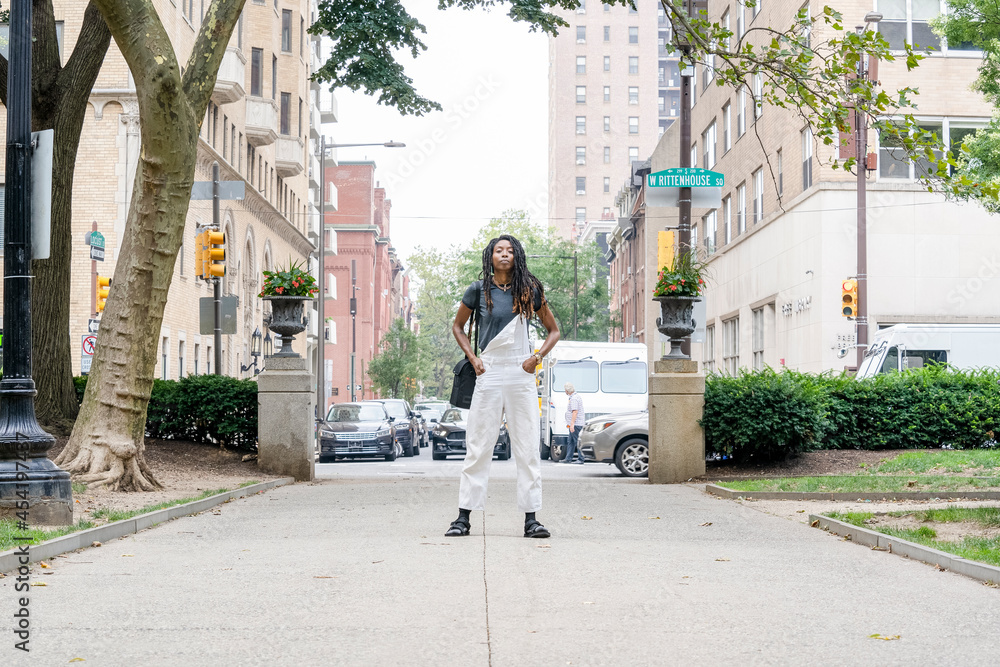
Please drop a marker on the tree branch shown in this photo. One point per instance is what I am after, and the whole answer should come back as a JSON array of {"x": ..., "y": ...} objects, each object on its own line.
[
  {"x": 93, "y": 42},
  {"x": 210, "y": 46}
]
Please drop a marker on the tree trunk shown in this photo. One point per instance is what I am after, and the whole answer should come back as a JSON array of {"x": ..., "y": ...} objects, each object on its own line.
[{"x": 107, "y": 443}]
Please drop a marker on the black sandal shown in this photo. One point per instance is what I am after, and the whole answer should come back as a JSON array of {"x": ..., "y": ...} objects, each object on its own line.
[
  {"x": 459, "y": 528},
  {"x": 534, "y": 528}
]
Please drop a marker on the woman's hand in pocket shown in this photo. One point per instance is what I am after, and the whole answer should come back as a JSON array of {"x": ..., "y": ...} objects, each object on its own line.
[
  {"x": 477, "y": 364},
  {"x": 528, "y": 365}
]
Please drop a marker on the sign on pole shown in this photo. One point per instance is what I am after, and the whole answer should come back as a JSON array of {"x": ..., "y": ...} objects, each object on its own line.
[
  {"x": 97, "y": 253},
  {"x": 663, "y": 188},
  {"x": 87, "y": 344},
  {"x": 93, "y": 325},
  {"x": 201, "y": 190}
]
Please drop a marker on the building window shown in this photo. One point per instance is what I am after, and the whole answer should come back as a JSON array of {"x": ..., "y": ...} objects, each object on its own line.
[
  {"x": 581, "y": 34},
  {"x": 302, "y": 36},
  {"x": 758, "y": 196},
  {"x": 286, "y": 30},
  {"x": 633, "y": 34},
  {"x": 805, "y": 14},
  {"x": 225, "y": 136},
  {"x": 694, "y": 86},
  {"x": 725, "y": 24},
  {"x": 633, "y": 125},
  {"x": 904, "y": 21},
  {"x": 633, "y": 94},
  {"x": 727, "y": 121},
  {"x": 607, "y": 93},
  {"x": 632, "y": 9},
  {"x": 731, "y": 345},
  {"x": 741, "y": 111},
  {"x": 757, "y": 339},
  {"x": 781, "y": 175},
  {"x": 607, "y": 63},
  {"x": 286, "y": 102},
  {"x": 164, "y": 358},
  {"x": 607, "y": 33},
  {"x": 633, "y": 64},
  {"x": 581, "y": 94},
  {"x": 180, "y": 360},
  {"x": 607, "y": 123},
  {"x": 581, "y": 214},
  {"x": 708, "y": 71},
  {"x": 708, "y": 223},
  {"x": 758, "y": 95},
  {"x": 581, "y": 185},
  {"x": 661, "y": 105},
  {"x": 708, "y": 352},
  {"x": 582, "y": 9},
  {"x": 708, "y": 141},
  {"x": 694, "y": 236},
  {"x": 607, "y": 154},
  {"x": 607, "y": 7},
  {"x": 694, "y": 155},
  {"x": 581, "y": 64},
  {"x": 197, "y": 353},
  {"x": 274, "y": 77},
  {"x": 807, "y": 154},
  {"x": 756, "y": 7},
  {"x": 208, "y": 360},
  {"x": 741, "y": 209},
  {"x": 740, "y": 22},
  {"x": 581, "y": 155},
  {"x": 581, "y": 125},
  {"x": 606, "y": 215},
  {"x": 256, "y": 71},
  {"x": 633, "y": 153},
  {"x": 727, "y": 212}
]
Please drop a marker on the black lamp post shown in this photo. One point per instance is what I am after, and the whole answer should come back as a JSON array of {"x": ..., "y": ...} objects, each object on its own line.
[
  {"x": 26, "y": 473},
  {"x": 255, "y": 339}
]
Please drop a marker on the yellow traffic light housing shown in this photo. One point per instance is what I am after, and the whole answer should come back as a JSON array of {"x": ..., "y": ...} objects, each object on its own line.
[
  {"x": 215, "y": 254},
  {"x": 849, "y": 298},
  {"x": 101, "y": 291},
  {"x": 199, "y": 254}
]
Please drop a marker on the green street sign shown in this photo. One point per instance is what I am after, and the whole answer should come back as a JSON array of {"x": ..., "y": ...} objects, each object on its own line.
[
  {"x": 685, "y": 177},
  {"x": 95, "y": 239}
]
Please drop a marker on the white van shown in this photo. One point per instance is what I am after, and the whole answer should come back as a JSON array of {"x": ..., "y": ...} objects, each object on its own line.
[
  {"x": 961, "y": 346},
  {"x": 610, "y": 377}
]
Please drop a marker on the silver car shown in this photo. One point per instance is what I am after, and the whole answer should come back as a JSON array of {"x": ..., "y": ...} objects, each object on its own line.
[{"x": 622, "y": 439}]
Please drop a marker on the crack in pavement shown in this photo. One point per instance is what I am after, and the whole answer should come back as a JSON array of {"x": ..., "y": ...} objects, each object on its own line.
[{"x": 486, "y": 597}]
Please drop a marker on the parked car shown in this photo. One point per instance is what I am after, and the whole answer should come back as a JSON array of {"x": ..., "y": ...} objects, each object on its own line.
[
  {"x": 407, "y": 426},
  {"x": 357, "y": 429},
  {"x": 449, "y": 436},
  {"x": 429, "y": 417},
  {"x": 622, "y": 439}
]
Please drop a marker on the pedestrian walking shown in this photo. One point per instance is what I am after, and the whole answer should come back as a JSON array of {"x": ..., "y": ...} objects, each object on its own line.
[
  {"x": 575, "y": 421},
  {"x": 506, "y": 297}
]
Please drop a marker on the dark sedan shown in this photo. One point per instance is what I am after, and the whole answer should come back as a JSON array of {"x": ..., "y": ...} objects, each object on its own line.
[
  {"x": 449, "y": 436},
  {"x": 357, "y": 429},
  {"x": 405, "y": 425}
]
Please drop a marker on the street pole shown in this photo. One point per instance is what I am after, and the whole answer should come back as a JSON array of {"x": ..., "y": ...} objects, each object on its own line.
[
  {"x": 354, "y": 314},
  {"x": 26, "y": 473},
  {"x": 217, "y": 282},
  {"x": 576, "y": 296},
  {"x": 861, "y": 130},
  {"x": 684, "y": 198},
  {"x": 321, "y": 306},
  {"x": 93, "y": 279}
]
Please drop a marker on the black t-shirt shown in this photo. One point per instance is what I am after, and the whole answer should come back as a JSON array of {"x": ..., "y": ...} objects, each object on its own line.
[{"x": 492, "y": 323}]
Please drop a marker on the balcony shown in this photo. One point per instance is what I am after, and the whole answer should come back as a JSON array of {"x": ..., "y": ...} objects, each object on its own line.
[
  {"x": 262, "y": 121},
  {"x": 313, "y": 121},
  {"x": 327, "y": 103},
  {"x": 314, "y": 175},
  {"x": 312, "y": 229},
  {"x": 232, "y": 73},
  {"x": 289, "y": 156}
]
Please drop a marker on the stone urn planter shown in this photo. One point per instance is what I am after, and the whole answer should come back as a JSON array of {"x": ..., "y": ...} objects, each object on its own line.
[
  {"x": 676, "y": 321},
  {"x": 287, "y": 320}
]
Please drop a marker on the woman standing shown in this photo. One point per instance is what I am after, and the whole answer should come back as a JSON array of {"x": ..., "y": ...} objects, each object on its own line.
[{"x": 505, "y": 299}]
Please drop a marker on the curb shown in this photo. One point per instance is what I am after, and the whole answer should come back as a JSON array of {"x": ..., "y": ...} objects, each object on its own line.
[
  {"x": 895, "y": 545},
  {"x": 9, "y": 560},
  {"x": 723, "y": 492}
]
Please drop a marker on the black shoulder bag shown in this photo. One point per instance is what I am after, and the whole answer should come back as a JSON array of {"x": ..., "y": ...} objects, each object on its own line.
[{"x": 464, "y": 384}]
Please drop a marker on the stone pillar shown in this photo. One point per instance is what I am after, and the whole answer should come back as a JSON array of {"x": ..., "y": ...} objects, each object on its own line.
[
  {"x": 676, "y": 403},
  {"x": 285, "y": 423}
]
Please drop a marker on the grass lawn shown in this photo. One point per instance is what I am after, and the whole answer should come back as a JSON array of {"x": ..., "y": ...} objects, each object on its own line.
[
  {"x": 983, "y": 462},
  {"x": 865, "y": 484},
  {"x": 984, "y": 549},
  {"x": 8, "y": 527}
]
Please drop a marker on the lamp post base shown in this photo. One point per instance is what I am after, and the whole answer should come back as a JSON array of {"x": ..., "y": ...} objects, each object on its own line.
[{"x": 46, "y": 488}]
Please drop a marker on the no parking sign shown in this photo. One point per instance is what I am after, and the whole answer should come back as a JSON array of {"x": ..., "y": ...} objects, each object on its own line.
[{"x": 87, "y": 344}]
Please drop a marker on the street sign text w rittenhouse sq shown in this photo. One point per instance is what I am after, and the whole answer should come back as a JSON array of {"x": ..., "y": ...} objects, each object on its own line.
[{"x": 685, "y": 177}]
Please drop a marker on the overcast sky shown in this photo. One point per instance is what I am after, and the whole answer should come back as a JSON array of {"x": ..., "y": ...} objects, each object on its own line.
[{"x": 484, "y": 153}]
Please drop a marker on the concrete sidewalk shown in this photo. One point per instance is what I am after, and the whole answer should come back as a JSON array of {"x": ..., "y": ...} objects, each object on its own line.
[{"x": 357, "y": 572}]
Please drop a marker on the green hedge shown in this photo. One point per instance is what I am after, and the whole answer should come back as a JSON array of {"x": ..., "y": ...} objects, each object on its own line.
[
  {"x": 767, "y": 415},
  {"x": 212, "y": 409}
]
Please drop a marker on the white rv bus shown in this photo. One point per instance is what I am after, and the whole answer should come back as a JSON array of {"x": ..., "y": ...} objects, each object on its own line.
[
  {"x": 961, "y": 346},
  {"x": 610, "y": 377}
]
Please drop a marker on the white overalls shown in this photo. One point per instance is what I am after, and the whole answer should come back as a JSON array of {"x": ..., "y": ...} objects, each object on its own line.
[{"x": 504, "y": 387}]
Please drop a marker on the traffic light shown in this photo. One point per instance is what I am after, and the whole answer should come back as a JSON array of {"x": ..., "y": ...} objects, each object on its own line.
[
  {"x": 849, "y": 297},
  {"x": 101, "y": 291},
  {"x": 215, "y": 257},
  {"x": 199, "y": 254}
]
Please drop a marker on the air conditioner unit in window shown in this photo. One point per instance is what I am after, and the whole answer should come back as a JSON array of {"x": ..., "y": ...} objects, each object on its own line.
[
  {"x": 580, "y": 131},
  {"x": 581, "y": 192},
  {"x": 633, "y": 101},
  {"x": 581, "y": 41},
  {"x": 581, "y": 160}
]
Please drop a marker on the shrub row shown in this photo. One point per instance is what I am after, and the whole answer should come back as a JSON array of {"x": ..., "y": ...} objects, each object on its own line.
[
  {"x": 212, "y": 409},
  {"x": 767, "y": 415}
]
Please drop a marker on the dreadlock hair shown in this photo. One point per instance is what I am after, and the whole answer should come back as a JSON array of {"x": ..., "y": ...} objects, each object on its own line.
[{"x": 523, "y": 282}]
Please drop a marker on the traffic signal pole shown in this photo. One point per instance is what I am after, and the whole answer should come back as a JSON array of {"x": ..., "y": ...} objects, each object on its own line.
[
  {"x": 217, "y": 281},
  {"x": 861, "y": 130}
]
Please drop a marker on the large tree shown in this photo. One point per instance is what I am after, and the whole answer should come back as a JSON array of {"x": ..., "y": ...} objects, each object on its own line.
[
  {"x": 58, "y": 102},
  {"x": 397, "y": 366}
]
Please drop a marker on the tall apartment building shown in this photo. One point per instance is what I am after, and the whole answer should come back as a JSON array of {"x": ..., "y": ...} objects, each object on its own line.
[
  {"x": 784, "y": 238},
  {"x": 613, "y": 89},
  {"x": 260, "y": 127}
]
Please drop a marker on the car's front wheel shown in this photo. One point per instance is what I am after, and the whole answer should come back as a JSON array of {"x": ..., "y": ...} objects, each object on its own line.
[
  {"x": 632, "y": 458},
  {"x": 557, "y": 452}
]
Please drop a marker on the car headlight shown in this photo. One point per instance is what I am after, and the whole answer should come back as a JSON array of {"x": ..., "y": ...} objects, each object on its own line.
[
  {"x": 329, "y": 435},
  {"x": 382, "y": 433},
  {"x": 598, "y": 426},
  {"x": 441, "y": 430}
]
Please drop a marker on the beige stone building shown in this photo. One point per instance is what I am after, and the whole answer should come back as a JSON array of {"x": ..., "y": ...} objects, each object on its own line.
[
  {"x": 784, "y": 237},
  {"x": 260, "y": 127},
  {"x": 613, "y": 89}
]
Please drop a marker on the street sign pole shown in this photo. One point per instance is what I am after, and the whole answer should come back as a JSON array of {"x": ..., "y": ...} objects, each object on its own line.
[
  {"x": 93, "y": 277},
  {"x": 684, "y": 213},
  {"x": 217, "y": 283}
]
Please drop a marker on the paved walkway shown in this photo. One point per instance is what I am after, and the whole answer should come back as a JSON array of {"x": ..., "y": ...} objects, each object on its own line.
[{"x": 357, "y": 572}]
